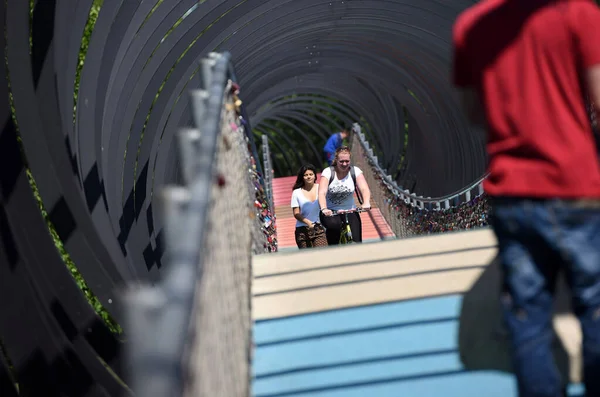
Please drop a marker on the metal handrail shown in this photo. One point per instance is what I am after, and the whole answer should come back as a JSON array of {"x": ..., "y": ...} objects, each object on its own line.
[{"x": 451, "y": 200}]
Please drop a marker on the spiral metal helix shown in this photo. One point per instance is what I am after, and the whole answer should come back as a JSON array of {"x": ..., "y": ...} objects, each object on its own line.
[{"x": 98, "y": 137}]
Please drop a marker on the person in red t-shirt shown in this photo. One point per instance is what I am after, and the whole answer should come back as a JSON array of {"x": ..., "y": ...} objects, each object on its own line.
[{"x": 524, "y": 69}]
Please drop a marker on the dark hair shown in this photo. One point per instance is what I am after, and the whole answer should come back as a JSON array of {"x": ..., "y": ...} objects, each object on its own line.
[{"x": 300, "y": 177}]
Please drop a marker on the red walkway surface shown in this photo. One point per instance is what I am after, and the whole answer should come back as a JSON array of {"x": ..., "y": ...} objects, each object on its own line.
[{"x": 282, "y": 196}]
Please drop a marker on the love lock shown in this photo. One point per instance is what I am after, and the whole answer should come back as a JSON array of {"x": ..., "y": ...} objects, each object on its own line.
[
  {"x": 221, "y": 182},
  {"x": 226, "y": 143}
]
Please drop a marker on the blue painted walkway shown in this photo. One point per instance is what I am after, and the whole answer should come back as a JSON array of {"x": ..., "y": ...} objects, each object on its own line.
[
  {"x": 387, "y": 350},
  {"x": 405, "y": 348}
]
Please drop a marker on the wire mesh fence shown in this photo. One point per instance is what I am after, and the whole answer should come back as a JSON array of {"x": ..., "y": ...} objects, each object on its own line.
[
  {"x": 219, "y": 355},
  {"x": 268, "y": 167},
  {"x": 410, "y": 215},
  {"x": 378, "y": 196},
  {"x": 191, "y": 334}
]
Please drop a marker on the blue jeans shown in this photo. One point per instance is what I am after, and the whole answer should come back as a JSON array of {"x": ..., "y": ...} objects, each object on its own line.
[
  {"x": 536, "y": 240},
  {"x": 329, "y": 156}
]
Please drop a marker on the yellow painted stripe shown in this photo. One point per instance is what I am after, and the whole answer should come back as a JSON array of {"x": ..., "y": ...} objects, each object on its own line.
[
  {"x": 329, "y": 256},
  {"x": 364, "y": 293},
  {"x": 367, "y": 271}
]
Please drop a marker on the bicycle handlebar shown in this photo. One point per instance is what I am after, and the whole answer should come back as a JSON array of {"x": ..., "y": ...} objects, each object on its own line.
[{"x": 339, "y": 212}]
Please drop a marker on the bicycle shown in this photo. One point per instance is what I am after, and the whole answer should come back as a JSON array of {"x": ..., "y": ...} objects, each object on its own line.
[{"x": 346, "y": 231}]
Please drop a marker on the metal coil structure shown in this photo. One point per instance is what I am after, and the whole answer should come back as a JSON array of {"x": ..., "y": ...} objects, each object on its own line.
[
  {"x": 384, "y": 64},
  {"x": 92, "y": 119}
]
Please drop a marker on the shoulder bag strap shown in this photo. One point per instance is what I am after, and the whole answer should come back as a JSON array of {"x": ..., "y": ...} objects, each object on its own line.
[{"x": 356, "y": 189}]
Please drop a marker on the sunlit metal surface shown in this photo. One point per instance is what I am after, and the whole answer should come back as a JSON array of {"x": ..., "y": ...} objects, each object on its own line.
[{"x": 99, "y": 159}]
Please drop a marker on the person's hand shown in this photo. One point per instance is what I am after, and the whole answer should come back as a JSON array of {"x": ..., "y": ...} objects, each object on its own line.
[
  {"x": 311, "y": 225},
  {"x": 366, "y": 206},
  {"x": 327, "y": 212}
]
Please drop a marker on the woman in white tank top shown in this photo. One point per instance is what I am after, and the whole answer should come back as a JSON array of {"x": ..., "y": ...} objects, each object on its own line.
[
  {"x": 337, "y": 193},
  {"x": 305, "y": 205}
]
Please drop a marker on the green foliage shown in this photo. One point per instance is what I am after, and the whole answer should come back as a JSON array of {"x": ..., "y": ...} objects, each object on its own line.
[
  {"x": 78, "y": 278},
  {"x": 159, "y": 2},
  {"x": 91, "y": 297},
  {"x": 11, "y": 367},
  {"x": 417, "y": 99},
  {"x": 85, "y": 42},
  {"x": 299, "y": 150},
  {"x": 168, "y": 75}
]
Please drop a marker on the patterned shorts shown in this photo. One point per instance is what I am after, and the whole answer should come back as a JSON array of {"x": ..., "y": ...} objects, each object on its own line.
[{"x": 307, "y": 238}]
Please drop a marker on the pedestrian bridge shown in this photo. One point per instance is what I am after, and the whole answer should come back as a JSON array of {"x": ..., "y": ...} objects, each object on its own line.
[
  {"x": 146, "y": 244},
  {"x": 377, "y": 319},
  {"x": 381, "y": 319}
]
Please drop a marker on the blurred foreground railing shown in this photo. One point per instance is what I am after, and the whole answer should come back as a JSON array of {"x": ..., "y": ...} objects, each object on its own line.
[
  {"x": 409, "y": 214},
  {"x": 191, "y": 334}
]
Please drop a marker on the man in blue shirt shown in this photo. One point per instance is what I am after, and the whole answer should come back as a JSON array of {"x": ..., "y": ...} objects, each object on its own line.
[{"x": 333, "y": 143}]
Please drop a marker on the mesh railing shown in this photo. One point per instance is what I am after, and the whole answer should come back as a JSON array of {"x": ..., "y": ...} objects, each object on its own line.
[
  {"x": 267, "y": 167},
  {"x": 408, "y": 214},
  {"x": 219, "y": 357},
  {"x": 265, "y": 204},
  {"x": 264, "y": 230},
  {"x": 378, "y": 196},
  {"x": 191, "y": 334}
]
